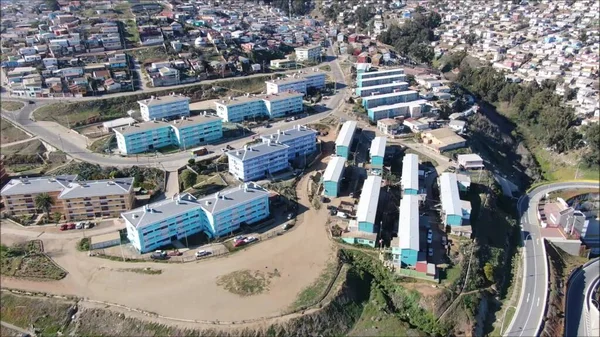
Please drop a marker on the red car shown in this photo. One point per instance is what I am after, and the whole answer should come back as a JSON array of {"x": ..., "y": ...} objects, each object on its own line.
[
  {"x": 71, "y": 226},
  {"x": 64, "y": 227},
  {"x": 239, "y": 243},
  {"x": 174, "y": 253}
]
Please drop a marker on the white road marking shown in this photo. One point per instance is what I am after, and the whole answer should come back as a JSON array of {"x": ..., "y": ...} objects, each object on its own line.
[
  {"x": 537, "y": 241},
  {"x": 538, "y": 302},
  {"x": 528, "y": 297}
]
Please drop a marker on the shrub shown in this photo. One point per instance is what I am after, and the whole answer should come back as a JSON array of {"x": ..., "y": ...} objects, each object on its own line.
[{"x": 83, "y": 244}]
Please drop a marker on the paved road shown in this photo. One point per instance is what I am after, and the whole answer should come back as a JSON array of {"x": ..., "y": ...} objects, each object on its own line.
[
  {"x": 532, "y": 303},
  {"x": 75, "y": 145},
  {"x": 577, "y": 315}
]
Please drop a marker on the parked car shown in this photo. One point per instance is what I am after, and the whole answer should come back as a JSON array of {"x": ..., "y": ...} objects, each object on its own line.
[
  {"x": 175, "y": 253},
  {"x": 429, "y": 236},
  {"x": 430, "y": 251},
  {"x": 325, "y": 199},
  {"x": 287, "y": 226},
  {"x": 342, "y": 215},
  {"x": 80, "y": 225},
  {"x": 332, "y": 212},
  {"x": 88, "y": 225},
  {"x": 250, "y": 239},
  {"x": 71, "y": 226},
  {"x": 202, "y": 253},
  {"x": 290, "y": 216},
  {"x": 239, "y": 243},
  {"x": 159, "y": 255},
  {"x": 30, "y": 102},
  {"x": 229, "y": 147},
  {"x": 331, "y": 207},
  {"x": 64, "y": 227}
]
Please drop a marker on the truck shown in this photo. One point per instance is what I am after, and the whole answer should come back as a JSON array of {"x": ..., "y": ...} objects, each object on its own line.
[{"x": 200, "y": 152}]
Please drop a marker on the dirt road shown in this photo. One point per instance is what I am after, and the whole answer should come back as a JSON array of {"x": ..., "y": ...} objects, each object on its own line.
[{"x": 189, "y": 291}]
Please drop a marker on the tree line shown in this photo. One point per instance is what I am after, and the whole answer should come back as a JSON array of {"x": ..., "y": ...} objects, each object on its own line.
[{"x": 536, "y": 109}]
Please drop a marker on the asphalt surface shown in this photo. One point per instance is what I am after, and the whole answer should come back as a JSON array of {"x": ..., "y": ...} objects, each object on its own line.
[
  {"x": 577, "y": 298},
  {"x": 533, "y": 299},
  {"x": 75, "y": 145}
]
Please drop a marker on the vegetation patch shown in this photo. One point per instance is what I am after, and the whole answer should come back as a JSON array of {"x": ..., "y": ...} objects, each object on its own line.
[
  {"x": 27, "y": 261},
  {"x": 12, "y": 105},
  {"x": 247, "y": 282},
  {"x": 312, "y": 294},
  {"x": 47, "y": 316},
  {"x": 83, "y": 245},
  {"x": 147, "y": 270},
  {"x": 10, "y": 133}
]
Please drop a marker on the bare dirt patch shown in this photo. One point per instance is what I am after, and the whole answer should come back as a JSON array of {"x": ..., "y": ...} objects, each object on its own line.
[
  {"x": 9, "y": 133},
  {"x": 247, "y": 282}
]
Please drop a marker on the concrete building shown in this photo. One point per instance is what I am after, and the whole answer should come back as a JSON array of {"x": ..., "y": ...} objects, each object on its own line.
[
  {"x": 369, "y": 82},
  {"x": 198, "y": 130},
  {"x": 314, "y": 79},
  {"x": 410, "y": 174},
  {"x": 302, "y": 141},
  {"x": 332, "y": 177},
  {"x": 298, "y": 82},
  {"x": 377, "y": 152},
  {"x": 389, "y": 126},
  {"x": 412, "y": 109},
  {"x": 442, "y": 139},
  {"x": 451, "y": 206},
  {"x": 370, "y": 102},
  {"x": 379, "y": 73},
  {"x": 406, "y": 252},
  {"x": 255, "y": 162},
  {"x": 381, "y": 89},
  {"x": 105, "y": 240},
  {"x": 238, "y": 109},
  {"x": 19, "y": 194},
  {"x": 163, "y": 222},
  {"x": 157, "y": 108},
  {"x": 343, "y": 141},
  {"x": 308, "y": 53},
  {"x": 367, "y": 204},
  {"x": 282, "y": 64},
  {"x": 283, "y": 104},
  {"x": 85, "y": 200},
  {"x": 470, "y": 161}
]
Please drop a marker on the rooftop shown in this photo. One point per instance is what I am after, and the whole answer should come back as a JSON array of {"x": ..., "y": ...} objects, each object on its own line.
[
  {"x": 344, "y": 138},
  {"x": 232, "y": 197},
  {"x": 387, "y": 85},
  {"x": 281, "y": 95},
  {"x": 378, "y": 147},
  {"x": 449, "y": 194},
  {"x": 185, "y": 122},
  {"x": 408, "y": 227},
  {"x": 388, "y": 121},
  {"x": 369, "y": 199},
  {"x": 469, "y": 157},
  {"x": 391, "y": 94},
  {"x": 410, "y": 171},
  {"x": 400, "y": 77},
  {"x": 334, "y": 169},
  {"x": 161, "y": 210},
  {"x": 37, "y": 185},
  {"x": 379, "y": 73},
  {"x": 230, "y": 101},
  {"x": 97, "y": 188},
  {"x": 397, "y": 105},
  {"x": 287, "y": 80},
  {"x": 291, "y": 134},
  {"x": 251, "y": 152},
  {"x": 152, "y": 101},
  {"x": 140, "y": 127},
  {"x": 446, "y": 136}
]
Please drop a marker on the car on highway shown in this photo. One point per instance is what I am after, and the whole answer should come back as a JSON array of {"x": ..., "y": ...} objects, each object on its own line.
[
  {"x": 202, "y": 253},
  {"x": 64, "y": 227},
  {"x": 430, "y": 251},
  {"x": 30, "y": 102},
  {"x": 429, "y": 236}
]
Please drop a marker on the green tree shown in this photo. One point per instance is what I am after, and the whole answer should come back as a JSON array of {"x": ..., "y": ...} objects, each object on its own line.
[
  {"x": 188, "y": 178},
  {"x": 488, "y": 270},
  {"x": 44, "y": 202}
]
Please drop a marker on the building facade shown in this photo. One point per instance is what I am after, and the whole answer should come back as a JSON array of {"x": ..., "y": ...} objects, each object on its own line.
[
  {"x": 239, "y": 109},
  {"x": 255, "y": 162},
  {"x": 379, "y": 73},
  {"x": 410, "y": 174},
  {"x": 406, "y": 253},
  {"x": 308, "y": 53},
  {"x": 452, "y": 214},
  {"x": 144, "y": 137},
  {"x": 377, "y": 152},
  {"x": 283, "y": 104},
  {"x": 163, "y": 222},
  {"x": 167, "y": 107},
  {"x": 369, "y": 82},
  {"x": 332, "y": 177},
  {"x": 368, "y": 203},
  {"x": 344, "y": 139},
  {"x": 388, "y": 99},
  {"x": 294, "y": 83},
  {"x": 198, "y": 130},
  {"x": 302, "y": 141},
  {"x": 381, "y": 89},
  {"x": 19, "y": 194},
  {"x": 84, "y": 200},
  {"x": 412, "y": 109}
]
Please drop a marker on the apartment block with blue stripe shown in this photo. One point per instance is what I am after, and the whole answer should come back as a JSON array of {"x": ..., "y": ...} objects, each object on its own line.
[
  {"x": 239, "y": 109},
  {"x": 372, "y": 81},
  {"x": 197, "y": 130},
  {"x": 381, "y": 89},
  {"x": 412, "y": 109},
  {"x": 157, "y": 108},
  {"x": 259, "y": 161},
  {"x": 283, "y": 104},
  {"x": 388, "y": 99},
  {"x": 367, "y": 204},
  {"x": 379, "y": 73},
  {"x": 344, "y": 139},
  {"x": 405, "y": 248},
  {"x": 160, "y": 223},
  {"x": 452, "y": 213},
  {"x": 332, "y": 177},
  {"x": 302, "y": 141},
  {"x": 377, "y": 152},
  {"x": 409, "y": 181}
]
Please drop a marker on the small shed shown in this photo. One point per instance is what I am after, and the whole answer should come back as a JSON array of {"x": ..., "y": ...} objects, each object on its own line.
[{"x": 105, "y": 240}]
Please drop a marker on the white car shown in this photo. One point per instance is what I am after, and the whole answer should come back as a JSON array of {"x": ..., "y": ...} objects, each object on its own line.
[
  {"x": 429, "y": 236},
  {"x": 202, "y": 253},
  {"x": 342, "y": 215},
  {"x": 80, "y": 225},
  {"x": 250, "y": 239}
]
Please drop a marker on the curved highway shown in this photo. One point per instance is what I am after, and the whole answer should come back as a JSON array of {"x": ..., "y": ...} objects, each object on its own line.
[
  {"x": 533, "y": 299},
  {"x": 75, "y": 145},
  {"x": 578, "y": 318}
]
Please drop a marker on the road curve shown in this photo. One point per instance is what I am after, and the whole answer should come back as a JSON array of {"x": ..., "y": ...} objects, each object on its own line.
[
  {"x": 533, "y": 299},
  {"x": 579, "y": 289}
]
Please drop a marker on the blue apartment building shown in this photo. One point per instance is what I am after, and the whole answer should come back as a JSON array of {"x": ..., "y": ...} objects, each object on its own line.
[
  {"x": 332, "y": 177},
  {"x": 164, "y": 107},
  {"x": 184, "y": 133},
  {"x": 405, "y": 248},
  {"x": 379, "y": 73},
  {"x": 283, "y": 104},
  {"x": 302, "y": 141},
  {"x": 388, "y": 99},
  {"x": 160, "y": 223},
  {"x": 452, "y": 212},
  {"x": 412, "y": 109},
  {"x": 409, "y": 182},
  {"x": 238, "y": 109},
  {"x": 259, "y": 161},
  {"x": 369, "y": 82},
  {"x": 343, "y": 141},
  {"x": 377, "y": 152},
  {"x": 381, "y": 89},
  {"x": 367, "y": 204}
]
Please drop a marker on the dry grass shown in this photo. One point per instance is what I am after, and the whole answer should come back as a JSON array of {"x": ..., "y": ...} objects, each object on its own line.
[
  {"x": 46, "y": 315},
  {"x": 12, "y": 105},
  {"x": 247, "y": 282},
  {"x": 9, "y": 133}
]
